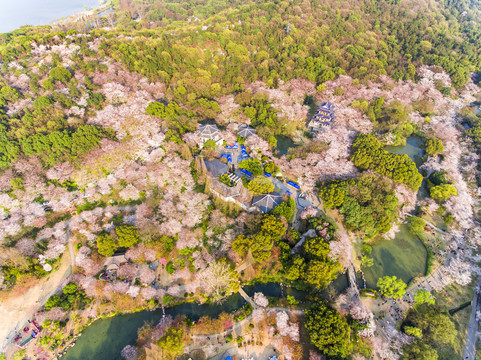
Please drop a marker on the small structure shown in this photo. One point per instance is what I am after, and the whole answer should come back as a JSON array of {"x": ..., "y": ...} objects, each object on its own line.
[
  {"x": 267, "y": 202},
  {"x": 215, "y": 167},
  {"x": 246, "y": 131},
  {"x": 112, "y": 264},
  {"x": 209, "y": 132},
  {"x": 323, "y": 117},
  {"x": 234, "y": 178}
]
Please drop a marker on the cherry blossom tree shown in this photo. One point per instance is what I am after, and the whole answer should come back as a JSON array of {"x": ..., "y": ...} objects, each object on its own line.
[
  {"x": 260, "y": 299},
  {"x": 128, "y": 271},
  {"x": 148, "y": 293},
  {"x": 286, "y": 328},
  {"x": 129, "y": 352},
  {"x": 146, "y": 276}
]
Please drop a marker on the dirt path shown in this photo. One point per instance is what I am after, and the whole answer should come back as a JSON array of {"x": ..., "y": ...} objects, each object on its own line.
[{"x": 16, "y": 310}]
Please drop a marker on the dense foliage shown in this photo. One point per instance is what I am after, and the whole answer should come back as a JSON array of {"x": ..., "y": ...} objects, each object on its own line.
[
  {"x": 438, "y": 332},
  {"x": 260, "y": 244},
  {"x": 71, "y": 298},
  {"x": 313, "y": 265},
  {"x": 368, "y": 202},
  {"x": 328, "y": 330},
  {"x": 368, "y": 154},
  {"x": 392, "y": 287}
]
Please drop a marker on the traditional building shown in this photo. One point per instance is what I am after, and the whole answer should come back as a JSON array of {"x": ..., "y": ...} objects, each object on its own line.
[
  {"x": 267, "y": 202},
  {"x": 113, "y": 263},
  {"x": 323, "y": 117},
  {"x": 246, "y": 131},
  {"x": 216, "y": 167},
  {"x": 209, "y": 132}
]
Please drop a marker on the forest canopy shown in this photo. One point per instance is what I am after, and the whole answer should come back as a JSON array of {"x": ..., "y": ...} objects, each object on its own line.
[{"x": 368, "y": 154}]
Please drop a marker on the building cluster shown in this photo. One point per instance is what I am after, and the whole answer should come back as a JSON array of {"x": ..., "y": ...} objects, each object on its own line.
[
  {"x": 323, "y": 118},
  {"x": 231, "y": 155}
]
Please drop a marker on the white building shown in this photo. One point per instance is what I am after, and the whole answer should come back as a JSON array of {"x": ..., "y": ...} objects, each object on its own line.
[{"x": 209, "y": 132}]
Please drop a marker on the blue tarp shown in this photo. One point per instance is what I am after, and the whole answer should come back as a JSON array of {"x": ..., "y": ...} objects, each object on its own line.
[
  {"x": 228, "y": 358},
  {"x": 267, "y": 175},
  {"x": 294, "y": 185},
  {"x": 248, "y": 173},
  {"x": 227, "y": 156}
]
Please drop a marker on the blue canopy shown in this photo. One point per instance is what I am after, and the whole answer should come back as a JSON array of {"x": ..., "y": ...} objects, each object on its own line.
[
  {"x": 294, "y": 185},
  {"x": 248, "y": 173},
  {"x": 228, "y": 358}
]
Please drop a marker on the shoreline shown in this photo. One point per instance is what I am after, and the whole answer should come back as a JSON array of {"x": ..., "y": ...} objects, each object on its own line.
[{"x": 104, "y": 5}]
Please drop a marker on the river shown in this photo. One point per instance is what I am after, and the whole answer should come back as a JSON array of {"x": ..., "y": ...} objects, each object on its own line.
[
  {"x": 14, "y": 14},
  {"x": 105, "y": 338}
]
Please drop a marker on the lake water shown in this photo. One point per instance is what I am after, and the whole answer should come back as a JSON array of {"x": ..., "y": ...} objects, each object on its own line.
[
  {"x": 404, "y": 256},
  {"x": 14, "y": 14}
]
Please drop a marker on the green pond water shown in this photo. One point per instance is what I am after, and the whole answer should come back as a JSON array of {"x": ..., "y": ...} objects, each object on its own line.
[
  {"x": 105, "y": 338},
  {"x": 404, "y": 256},
  {"x": 284, "y": 143},
  {"x": 413, "y": 149}
]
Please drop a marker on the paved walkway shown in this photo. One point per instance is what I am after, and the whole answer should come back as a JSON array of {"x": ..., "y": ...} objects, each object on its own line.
[
  {"x": 247, "y": 297},
  {"x": 470, "y": 347}
]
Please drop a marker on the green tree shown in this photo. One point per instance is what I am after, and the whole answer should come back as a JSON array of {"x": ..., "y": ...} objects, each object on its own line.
[
  {"x": 437, "y": 327},
  {"x": 423, "y": 297},
  {"x": 285, "y": 209},
  {"x": 392, "y": 287},
  {"x": 434, "y": 146},
  {"x": 106, "y": 246},
  {"x": 327, "y": 330},
  {"x": 17, "y": 183},
  {"x": 333, "y": 193},
  {"x": 59, "y": 73},
  {"x": 42, "y": 102},
  {"x": 261, "y": 185},
  {"x": 416, "y": 225},
  {"x": 419, "y": 350},
  {"x": 442, "y": 192},
  {"x": 368, "y": 154},
  {"x": 209, "y": 145},
  {"x": 172, "y": 343},
  {"x": 367, "y": 261},
  {"x": 127, "y": 235},
  {"x": 413, "y": 331},
  {"x": 366, "y": 249},
  {"x": 252, "y": 165}
]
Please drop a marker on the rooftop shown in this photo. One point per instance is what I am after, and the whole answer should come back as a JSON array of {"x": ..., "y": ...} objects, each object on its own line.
[
  {"x": 267, "y": 202},
  {"x": 208, "y": 130},
  {"x": 216, "y": 167},
  {"x": 246, "y": 131}
]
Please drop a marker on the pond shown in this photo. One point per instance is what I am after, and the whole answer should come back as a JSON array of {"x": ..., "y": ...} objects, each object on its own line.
[
  {"x": 413, "y": 148},
  {"x": 105, "y": 338},
  {"x": 284, "y": 143},
  {"x": 405, "y": 257}
]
